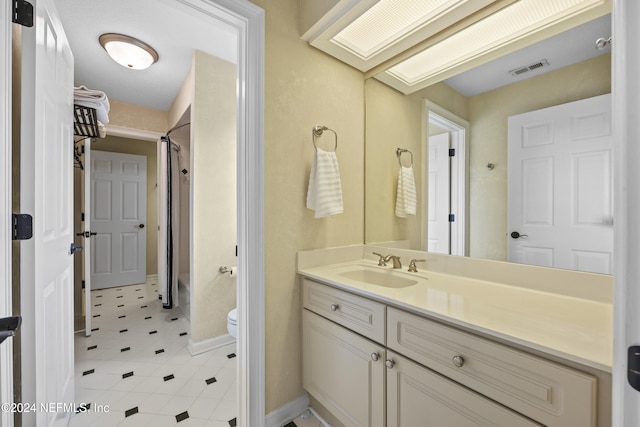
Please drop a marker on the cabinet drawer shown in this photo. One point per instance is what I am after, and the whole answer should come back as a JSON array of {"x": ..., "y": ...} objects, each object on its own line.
[
  {"x": 351, "y": 311},
  {"x": 417, "y": 396},
  {"x": 549, "y": 393}
]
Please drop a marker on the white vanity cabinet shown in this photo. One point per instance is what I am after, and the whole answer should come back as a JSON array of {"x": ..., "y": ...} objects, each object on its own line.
[
  {"x": 400, "y": 369},
  {"x": 339, "y": 371}
]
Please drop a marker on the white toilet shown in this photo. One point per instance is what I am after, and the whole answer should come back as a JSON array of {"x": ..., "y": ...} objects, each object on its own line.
[{"x": 232, "y": 322}]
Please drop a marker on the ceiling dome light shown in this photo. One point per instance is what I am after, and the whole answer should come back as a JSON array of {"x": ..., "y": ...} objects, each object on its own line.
[{"x": 128, "y": 51}]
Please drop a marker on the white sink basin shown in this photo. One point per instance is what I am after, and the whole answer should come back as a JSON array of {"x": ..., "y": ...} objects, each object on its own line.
[{"x": 384, "y": 278}]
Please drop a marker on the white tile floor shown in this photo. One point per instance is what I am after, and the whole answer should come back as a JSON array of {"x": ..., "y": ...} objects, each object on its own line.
[
  {"x": 135, "y": 369},
  {"x": 136, "y": 362}
]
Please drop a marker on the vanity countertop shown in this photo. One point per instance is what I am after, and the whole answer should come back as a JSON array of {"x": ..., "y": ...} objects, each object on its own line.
[{"x": 575, "y": 329}]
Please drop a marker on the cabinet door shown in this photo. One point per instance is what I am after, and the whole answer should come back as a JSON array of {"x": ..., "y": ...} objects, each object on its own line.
[
  {"x": 340, "y": 372},
  {"x": 417, "y": 396}
]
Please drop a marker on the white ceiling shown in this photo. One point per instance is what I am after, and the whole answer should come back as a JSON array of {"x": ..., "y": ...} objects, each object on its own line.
[
  {"x": 171, "y": 28},
  {"x": 175, "y": 31},
  {"x": 570, "y": 47}
]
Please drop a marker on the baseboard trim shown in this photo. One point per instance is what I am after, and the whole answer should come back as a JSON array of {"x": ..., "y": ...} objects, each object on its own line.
[
  {"x": 288, "y": 412},
  {"x": 152, "y": 277},
  {"x": 209, "y": 344}
]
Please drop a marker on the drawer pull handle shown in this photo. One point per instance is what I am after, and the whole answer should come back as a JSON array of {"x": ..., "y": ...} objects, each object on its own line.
[
  {"x": 375, "y": 357},
  {"x": 458, "y": 361},
  {"x": 390, "y": 363},
  {"x": 334, "y": 307}
]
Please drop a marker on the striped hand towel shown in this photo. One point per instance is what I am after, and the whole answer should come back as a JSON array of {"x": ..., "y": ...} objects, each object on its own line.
[
  {"x": 325, "y": 192},
  {"x": 406, "y": 197}
]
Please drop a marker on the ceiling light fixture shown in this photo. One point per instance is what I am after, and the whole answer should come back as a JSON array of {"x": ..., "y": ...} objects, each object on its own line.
[
  {"x": 128, "y": 51},
  {"x": 365, "y": 33},
  {"x": 522, "y": 23}
]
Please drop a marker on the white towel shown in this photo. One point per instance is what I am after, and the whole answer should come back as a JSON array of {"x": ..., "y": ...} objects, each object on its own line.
[
  {"x": 325, "y": 191},
  {"x": 406, "y": 198},
  {"x": 93, "y": 99}
]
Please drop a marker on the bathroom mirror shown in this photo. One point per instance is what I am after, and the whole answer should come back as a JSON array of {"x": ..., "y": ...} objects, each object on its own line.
[{"x": 562, "y": 69}]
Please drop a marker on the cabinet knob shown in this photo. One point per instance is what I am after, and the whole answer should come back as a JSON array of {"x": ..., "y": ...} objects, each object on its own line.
[
  {"x": 334, "y": 307},
  {"x": 390, "y": 363},
  {"x": 375, "y": 357},
  {"x": 458, "y": 361}
]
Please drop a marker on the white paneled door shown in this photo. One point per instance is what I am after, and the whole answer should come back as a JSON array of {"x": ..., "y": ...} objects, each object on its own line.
[
  {"x": 561, "y": 186},
  {"x": 439, "y": 206},
  {"x": 46, "y": 181},
  {"x": 118, "y": 217}
]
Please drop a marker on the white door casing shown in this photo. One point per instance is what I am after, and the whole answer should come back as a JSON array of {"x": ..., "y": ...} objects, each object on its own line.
[
  {"x": 560, "y": 186},
  {"x": 6, "y": 348},
  {"x": 626, "y": 273},
  {"x": 249, "y": 21},
  {"x": 458, "y": 177},
  {"x": 118, "y": 210},
  {"x": 86, "y": 257},
  {"x": 46, "y": 261},
  {"x": 439, "y": 195}
]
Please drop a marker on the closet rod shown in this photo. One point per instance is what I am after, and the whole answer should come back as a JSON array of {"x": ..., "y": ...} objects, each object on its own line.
[{"x": 177, "y": 127}]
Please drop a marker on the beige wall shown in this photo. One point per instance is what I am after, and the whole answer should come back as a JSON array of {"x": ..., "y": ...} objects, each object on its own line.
[
  {"x": 303, "y": 87},
  {"x": 213, "y": 183},
  {"x": 137, "y": 117},
  {"x": 488, "y": 113},
  {"x": 148, "y": 149},
  {"x": 395, "y": 120}
]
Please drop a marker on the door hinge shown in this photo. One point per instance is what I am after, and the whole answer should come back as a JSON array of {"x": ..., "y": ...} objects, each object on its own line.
[
  {"x": 23, "y": 13},
  {"x": 452, "y": 218},
  {"x": 22, "y": 227},
  {"x": 633, "y": 364},
  {"x": 452, "y": 152}
]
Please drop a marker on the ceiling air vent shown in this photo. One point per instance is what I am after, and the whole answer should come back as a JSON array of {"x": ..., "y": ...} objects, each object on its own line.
[{"x": 530, "y": 67}]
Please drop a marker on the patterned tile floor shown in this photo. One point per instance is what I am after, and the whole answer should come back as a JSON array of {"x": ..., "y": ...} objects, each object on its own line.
[
  {"x": 135, "y": 369},
  {"x": 137, "y": 364}
]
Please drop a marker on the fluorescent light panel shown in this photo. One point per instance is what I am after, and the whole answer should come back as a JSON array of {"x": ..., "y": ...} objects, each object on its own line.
[
  {"x": 389, "y": 21},
  {"x": 505, "y": 26}
]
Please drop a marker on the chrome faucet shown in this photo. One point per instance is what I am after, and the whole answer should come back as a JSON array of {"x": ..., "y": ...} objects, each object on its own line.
[
  {"x": 396, "y": 260},
  {"x": 381, "y": 261},
  {"x": 412, "y": 265}
]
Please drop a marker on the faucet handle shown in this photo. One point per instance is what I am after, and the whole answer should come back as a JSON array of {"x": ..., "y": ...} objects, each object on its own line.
[
  {"x": 381, "y": 262},
  {"x": 412, "y": 265}
]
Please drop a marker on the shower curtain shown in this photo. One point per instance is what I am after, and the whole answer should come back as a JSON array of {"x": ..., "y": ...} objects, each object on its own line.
[{"x": 168, "y": 221}]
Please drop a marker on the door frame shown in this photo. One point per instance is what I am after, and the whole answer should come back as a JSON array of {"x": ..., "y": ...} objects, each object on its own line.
[
  {"x": 6, "y": 348},
  {"x": 459, "y": 182},
  {"x": 249, "y": 21},
  {"x": 626, "y": 231}
]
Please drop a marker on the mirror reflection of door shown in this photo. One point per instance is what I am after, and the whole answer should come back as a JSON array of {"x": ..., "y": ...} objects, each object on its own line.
[
  {"x": 560, "y": 186},
  {"x": 439, "y": 193},
  {"x": 445, "y": 219}
]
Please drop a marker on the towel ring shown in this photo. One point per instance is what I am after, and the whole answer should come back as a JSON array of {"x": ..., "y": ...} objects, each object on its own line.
[
  {"x": 399, "y": 152},
  {"x": 317, "y": 132}
]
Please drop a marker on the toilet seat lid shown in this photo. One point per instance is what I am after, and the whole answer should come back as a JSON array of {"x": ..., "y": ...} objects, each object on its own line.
[{"x": 233, "y": 316}]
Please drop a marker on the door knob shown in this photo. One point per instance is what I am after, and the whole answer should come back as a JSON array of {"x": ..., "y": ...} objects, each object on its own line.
[
  {"x": 141, "y": 226},
  {"x": 75, "y": 248},
  {"x": 516, "y": 235}
]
